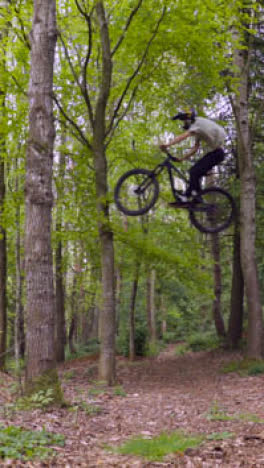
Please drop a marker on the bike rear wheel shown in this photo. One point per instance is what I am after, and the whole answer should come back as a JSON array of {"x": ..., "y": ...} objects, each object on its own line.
[
  {"x": 215, "y": 213},
  {"x": 136, "y": 192}
]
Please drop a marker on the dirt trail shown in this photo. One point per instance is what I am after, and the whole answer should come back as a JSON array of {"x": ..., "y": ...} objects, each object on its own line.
[{"x": 164, "y": 394}]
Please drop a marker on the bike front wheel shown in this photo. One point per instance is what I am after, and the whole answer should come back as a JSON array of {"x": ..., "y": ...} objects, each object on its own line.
[
  {"x": 215, "y": 213},
  {"x": 136, "y": 192}
]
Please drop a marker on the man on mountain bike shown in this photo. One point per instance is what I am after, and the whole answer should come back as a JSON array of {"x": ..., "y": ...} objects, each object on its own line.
[{"x": 204, "y": 130}]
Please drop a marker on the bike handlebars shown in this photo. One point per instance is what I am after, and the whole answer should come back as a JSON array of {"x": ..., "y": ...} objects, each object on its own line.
[{"x": 173, "y": 158}]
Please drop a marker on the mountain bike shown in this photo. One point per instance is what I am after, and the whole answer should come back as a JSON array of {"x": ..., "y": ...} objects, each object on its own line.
[{"x": 137, "y": 191}]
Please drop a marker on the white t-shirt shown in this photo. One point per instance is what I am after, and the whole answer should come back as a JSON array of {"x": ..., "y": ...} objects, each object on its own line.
[{"x": 208, "y": 131}]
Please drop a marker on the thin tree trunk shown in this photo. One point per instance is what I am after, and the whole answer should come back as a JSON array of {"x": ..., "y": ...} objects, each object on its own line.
[
  {"x": 3, "y": 261},
  {"x": 248, "y": 207},
  {"x": 40, "y": 300},
  {"x": 217, "y": 314},
  {"x": 60, "y": 307},
  {"x": 163, "y": 315},
  {"x": 71, "y": 334},
  {"x": 60, "y": 293},
  {"x": 151, "y": 277},
  {"x": 85, "y": 327},
  {"x": 74, "y": 308},
  {"x": 94, "y": 332},
  {"x": 3, "y": 313},
  {"x": 118, "y": 287},
  {"x": 132, "y": 352},
  {"x": 235, "y": 324},
  {"x": 19, "y": 320},
  {"x": 217, "y": 271}
]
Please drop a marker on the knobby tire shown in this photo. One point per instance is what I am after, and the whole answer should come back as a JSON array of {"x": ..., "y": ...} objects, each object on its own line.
[
  {"x": 124, "y": 194},
  {"x": 224, "y": 211}
]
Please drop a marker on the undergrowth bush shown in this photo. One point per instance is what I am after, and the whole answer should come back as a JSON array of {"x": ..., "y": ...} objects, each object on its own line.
[
  {"x": 122, "y": 342},
  {"x": 199, "y": 341},
  {"x": 245, "y": 367},
  {"x": 203, "y": 341},
  {"x": 20, "y": 444}
]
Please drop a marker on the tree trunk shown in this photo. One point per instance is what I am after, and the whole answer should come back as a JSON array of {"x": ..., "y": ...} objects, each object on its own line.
[
  {"x": 151, "y": 277},
  {"x": 60, "y": 306},
  {"x": 132, "y": 352},
  {"x": 235, "y": 324},
  {"x": 3, "y": 262},
  {"x": 71, "y": 334},
  {"x": 3, "y": 314},
  {"x": 107, "y": 318},
  {"x": 94, "y": 330},
  {"x": 19, "y": 320},
  {"x": 248, "y": 208},
  {"x": 217, "y": 314},
  {"x": 118, "y": 288},
  {"x": 40, "y": 300},
  {"x": 60, "y": 293}
]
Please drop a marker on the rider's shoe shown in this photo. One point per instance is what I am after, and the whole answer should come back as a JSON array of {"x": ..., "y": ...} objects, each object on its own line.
[
  {"x": 197, "y": 199},
  {"x": 182, "y": 200}
]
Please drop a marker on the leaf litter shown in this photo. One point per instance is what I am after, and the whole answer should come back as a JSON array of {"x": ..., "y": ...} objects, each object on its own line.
[{"x": 167, "y": 394}]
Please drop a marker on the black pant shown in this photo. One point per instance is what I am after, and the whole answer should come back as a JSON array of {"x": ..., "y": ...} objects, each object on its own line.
[{"x": 200, "y": 169}]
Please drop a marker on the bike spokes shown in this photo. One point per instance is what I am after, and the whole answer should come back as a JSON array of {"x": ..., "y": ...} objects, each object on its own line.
[
  {"x": 136, "y": 192},
  {"x": 215, "y": 213}
]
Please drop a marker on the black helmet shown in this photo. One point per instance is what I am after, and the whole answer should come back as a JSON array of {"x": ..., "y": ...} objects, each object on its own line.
[{"x": 187, "y": 115}]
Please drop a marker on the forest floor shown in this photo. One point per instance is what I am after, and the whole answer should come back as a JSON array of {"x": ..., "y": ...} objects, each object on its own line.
[{"x": 188, "y": 393}]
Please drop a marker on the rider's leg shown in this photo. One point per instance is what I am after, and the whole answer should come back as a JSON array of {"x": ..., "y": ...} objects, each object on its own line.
[{"x": 200, "y": 169}]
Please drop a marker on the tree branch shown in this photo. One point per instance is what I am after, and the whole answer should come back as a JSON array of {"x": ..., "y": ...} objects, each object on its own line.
[
  {"x": 67, "y": 55},
  {"x": 131, "y": 78},
  {"x": 23, "y": 32},
  {"x": 129, "y": 20},
  {"x": 104, "y": 90},
  {"x": 121, "y": 117},
  {"x": 83, "y": 139},
  {"x": 86, "y": 96}
]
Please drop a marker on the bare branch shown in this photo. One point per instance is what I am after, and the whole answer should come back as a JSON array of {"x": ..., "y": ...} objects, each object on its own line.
[
  {"x": 23, "y": 32},
  {"x": 133, "y": 94},
  {"x": 19, "y": 86},
  {"x": 83, "y": 12},
  {"x": 84, "y": 87},
  {"x": 129, "y": 20},
  {"x": 67, "y": 55},
  {"x": 131, "y": 78},
  {"x": 83, "y": 139},
  {"x": 121, "y": 117}
]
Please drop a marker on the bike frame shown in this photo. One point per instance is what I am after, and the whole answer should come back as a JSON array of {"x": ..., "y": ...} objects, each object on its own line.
[{"x": 171, "y": 169}]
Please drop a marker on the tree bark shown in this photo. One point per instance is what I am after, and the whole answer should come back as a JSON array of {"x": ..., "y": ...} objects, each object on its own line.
[
  {"x": 107, "y": 318},
  {"x": 60, "y": 307},
  {"x": 3, "y": 261},
  {"x": 132, "y": 352},
  {"x": 235, "y": 324},
  {"x": 248, "y": 207},
  {"x": 3, "y": 313},
  {"x": 217, "y": 314},
  {"x": 40, "y": 300},
  {"x": 71, "y": 334},
  {"x": 60, "y": 289},
  {"x": 118, "y": 288},
  {"x": 19, "y": 320},
  {"x": 151, "y": 277}
]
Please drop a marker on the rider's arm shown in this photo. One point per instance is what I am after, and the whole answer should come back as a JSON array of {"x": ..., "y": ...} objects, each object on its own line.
[
  {"x": 180, "y": 138},
  {"x": 192, "y": 151}
]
